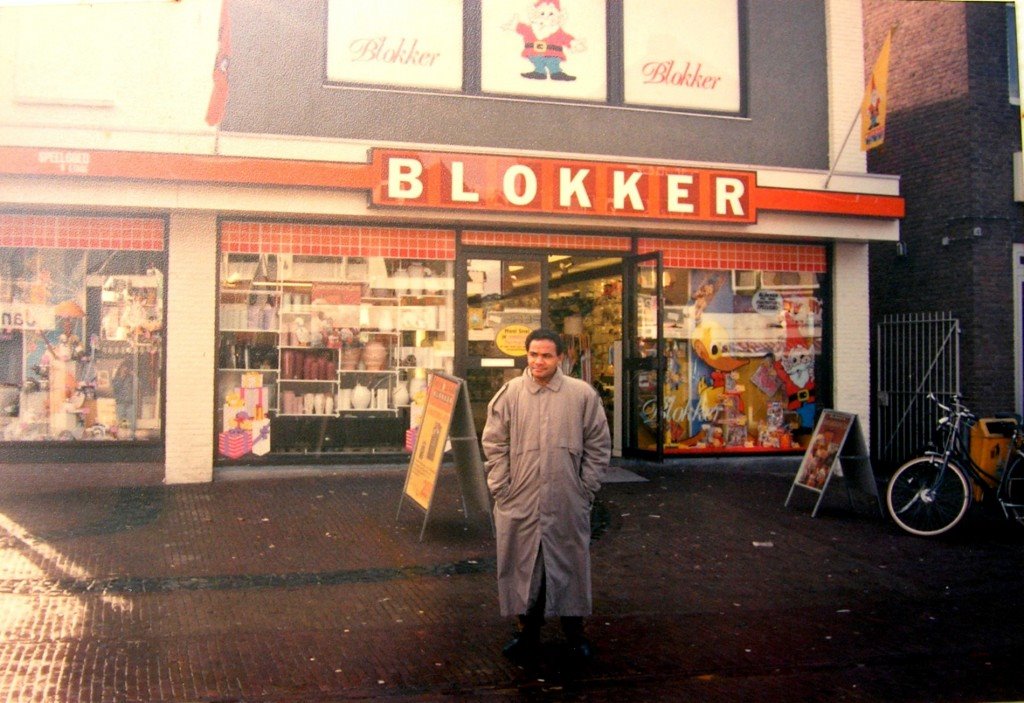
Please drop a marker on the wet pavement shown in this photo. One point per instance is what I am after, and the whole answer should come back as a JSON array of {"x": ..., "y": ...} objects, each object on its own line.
[{"x": 316, "y": 587}]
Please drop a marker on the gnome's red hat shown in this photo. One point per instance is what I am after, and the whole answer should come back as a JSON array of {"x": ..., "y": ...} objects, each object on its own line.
[{"x": 556, "y": 3}]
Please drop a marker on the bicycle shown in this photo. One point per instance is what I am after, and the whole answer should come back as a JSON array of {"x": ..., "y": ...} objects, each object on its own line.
[{"x": 930, "y": 494}]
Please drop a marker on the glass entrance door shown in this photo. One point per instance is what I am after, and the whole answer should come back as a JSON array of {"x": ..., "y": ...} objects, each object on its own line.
[
  {"x": 644, "y": 358},
  {"x": 609, "y": 312},
  {"x": 504, "y": 298}
]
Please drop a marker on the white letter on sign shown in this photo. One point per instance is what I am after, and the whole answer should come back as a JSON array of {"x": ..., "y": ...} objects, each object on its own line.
[
  {"x": 459, "y": 192},
  {"x": 729, "y": 190},
  {"x": 678, "y": 193},
  {"x": 529, "y": 191},
  {"x": 571, "y": 184},
  {"x": 626, "y": 188},
  {"x": 404, "y": 179}
]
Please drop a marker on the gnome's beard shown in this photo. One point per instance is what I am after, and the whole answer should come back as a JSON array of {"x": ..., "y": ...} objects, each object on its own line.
[{"x": 544, "y": 26}]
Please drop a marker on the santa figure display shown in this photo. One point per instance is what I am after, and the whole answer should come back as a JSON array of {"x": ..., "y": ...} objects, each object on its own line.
[
  {"x": 796, "y": 369},
  {"x": 545, "y": 41}
]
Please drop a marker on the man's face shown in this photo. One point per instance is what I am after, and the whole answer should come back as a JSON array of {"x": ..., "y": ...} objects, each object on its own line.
[{"x": 543, "y": 359}]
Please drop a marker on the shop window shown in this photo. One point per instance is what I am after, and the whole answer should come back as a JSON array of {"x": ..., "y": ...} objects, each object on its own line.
[
  {"x": 743, "y": 350},
  {"x": 329, "y": 353},
  {"x": 81, "y": 340}
]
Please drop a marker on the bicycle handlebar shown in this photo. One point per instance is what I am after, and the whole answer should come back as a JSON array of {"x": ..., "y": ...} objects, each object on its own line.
[{"x": 958, "y": 408}]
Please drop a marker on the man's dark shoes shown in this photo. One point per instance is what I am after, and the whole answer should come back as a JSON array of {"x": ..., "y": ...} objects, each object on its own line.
[
  {"x": 522, "y": 647},
  {"x": 581, "y": 651},
  {"x": 535, "y": 75}
]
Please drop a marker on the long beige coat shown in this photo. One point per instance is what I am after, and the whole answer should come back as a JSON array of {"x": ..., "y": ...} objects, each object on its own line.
[{"x": 547, "y": 449}]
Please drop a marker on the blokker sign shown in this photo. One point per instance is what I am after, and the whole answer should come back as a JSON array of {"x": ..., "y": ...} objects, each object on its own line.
[
  {"x": 508, "y": 184},
  {"x": 505, "y": 184}
]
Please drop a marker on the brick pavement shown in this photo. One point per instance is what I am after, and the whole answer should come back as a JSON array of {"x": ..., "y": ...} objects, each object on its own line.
[{"x": 307, "y": 588}]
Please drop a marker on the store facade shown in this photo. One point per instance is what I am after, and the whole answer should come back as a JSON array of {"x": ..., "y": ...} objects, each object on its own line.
[{"x": 292, "y": 294}]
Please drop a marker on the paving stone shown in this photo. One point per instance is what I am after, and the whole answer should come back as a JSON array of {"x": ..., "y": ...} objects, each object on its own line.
[{"x": 318, "y": 588}]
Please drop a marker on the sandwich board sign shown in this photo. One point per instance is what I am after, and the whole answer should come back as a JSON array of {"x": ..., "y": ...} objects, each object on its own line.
[
  {"x": 836, "y": 448},
  {"x": 446, "y": 416}
]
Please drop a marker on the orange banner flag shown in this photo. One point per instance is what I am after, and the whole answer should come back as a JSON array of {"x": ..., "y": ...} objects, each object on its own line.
[{"x": 875, "y": 100}]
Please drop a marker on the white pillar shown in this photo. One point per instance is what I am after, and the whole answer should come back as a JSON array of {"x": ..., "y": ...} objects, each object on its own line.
[
  {"x": 844, "y": 23},
  {"x": 191, "y": 342},
  {"x": 851, "y": 328}
]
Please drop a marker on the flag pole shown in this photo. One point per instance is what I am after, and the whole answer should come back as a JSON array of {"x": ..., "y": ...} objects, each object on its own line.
[
  {"x": 842, "y": 148},
  {"x": 860, "y": 108}
]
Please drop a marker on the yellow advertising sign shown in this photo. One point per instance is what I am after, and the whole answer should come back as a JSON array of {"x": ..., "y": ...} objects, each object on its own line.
[{"x": 425, "y": 464}]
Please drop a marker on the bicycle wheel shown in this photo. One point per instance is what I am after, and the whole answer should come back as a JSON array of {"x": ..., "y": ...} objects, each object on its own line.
[
  {"x": 1011, "y": 488},
  {"x": 925, "y": 500}
]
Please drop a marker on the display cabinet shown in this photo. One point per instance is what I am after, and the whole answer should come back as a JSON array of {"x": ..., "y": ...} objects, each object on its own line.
[{"x": 329, "y": 342}]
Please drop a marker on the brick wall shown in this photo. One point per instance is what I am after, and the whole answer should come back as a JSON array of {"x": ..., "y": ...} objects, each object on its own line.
[{"x": 950, "y": 136}]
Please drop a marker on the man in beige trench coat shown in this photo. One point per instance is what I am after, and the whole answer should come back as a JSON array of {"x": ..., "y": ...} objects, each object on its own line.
[{"x": 547, "y": 447}]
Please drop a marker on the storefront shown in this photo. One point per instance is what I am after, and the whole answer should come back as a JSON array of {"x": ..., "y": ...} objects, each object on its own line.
[
  {"x": 323, "y": 332},
  {"x": 373, "y": 192}
]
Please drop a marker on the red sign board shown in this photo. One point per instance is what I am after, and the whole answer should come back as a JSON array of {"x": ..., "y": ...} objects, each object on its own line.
[
  {"x": 443, "y": 180},
  {"x": 479, "y": 182}
]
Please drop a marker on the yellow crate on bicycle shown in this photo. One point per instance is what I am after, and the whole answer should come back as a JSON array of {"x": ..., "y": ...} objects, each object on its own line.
[{"x": 990, "y": 444}]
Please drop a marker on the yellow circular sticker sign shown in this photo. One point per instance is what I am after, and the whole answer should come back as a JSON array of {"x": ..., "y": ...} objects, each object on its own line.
[{"x": 511, "y": 340}]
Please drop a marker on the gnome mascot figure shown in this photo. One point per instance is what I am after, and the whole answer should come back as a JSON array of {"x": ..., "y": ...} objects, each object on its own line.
[{"x": 545, "y": 42}]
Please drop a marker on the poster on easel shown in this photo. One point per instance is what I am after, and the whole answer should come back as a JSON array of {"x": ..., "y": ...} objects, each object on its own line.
[
  {"x": 821, "y": 460},
  {"x": 447, "y": 417}
]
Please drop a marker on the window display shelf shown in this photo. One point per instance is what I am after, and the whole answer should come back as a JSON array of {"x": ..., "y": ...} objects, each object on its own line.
[{"x": 319, "y": 314}]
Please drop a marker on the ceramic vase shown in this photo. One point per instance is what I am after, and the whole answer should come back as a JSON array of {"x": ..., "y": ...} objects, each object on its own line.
[
  {"x": 361, "y": 397},
  {"x": 415, "y": 386},
  {"x": 385, "y": 320},
  {"x": 356, "y": 269},
  {"x": 350, "y": 357},
  {"x": 415, "y": 274},
  {"x": 375, "y": 355},
  {"x": 308, "y": 403},
  {"x": 401, "y": 395},
  {"x": 345, "y": 399},
  {"x": 401, "y": 281},
  {"x": 319, "y": 401}
]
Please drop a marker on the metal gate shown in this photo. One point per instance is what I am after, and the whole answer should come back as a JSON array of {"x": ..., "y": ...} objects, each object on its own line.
[{"x": 917, "y": 354}]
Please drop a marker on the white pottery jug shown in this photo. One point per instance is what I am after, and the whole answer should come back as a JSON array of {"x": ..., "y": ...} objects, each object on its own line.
[
  {"x": 401, "y": 280},
  {"x": 356, "y": 270},
  {"x": 319, "y": 400},
  {"x": 385, "y": 320},
  {"x": 361, "y": 397},
  {"x": 401, "y": 394},
  {"x": 415, "y": 386},
  {"x": 329, "y": 405},
  {"x": 308, "y": 403},
  {"x": 415, "y": 274},
  {"x": 345, "y": 399}
]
